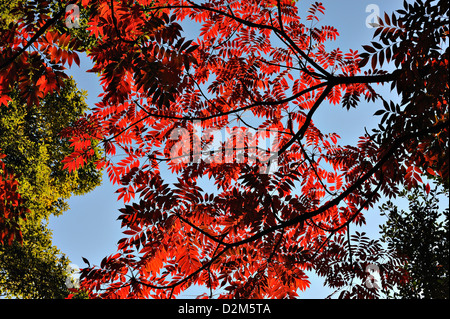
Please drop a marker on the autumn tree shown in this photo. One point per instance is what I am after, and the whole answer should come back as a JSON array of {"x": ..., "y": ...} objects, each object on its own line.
[
  {"x": 227, "y": 181},
  {"x": 256, "y": 233}
]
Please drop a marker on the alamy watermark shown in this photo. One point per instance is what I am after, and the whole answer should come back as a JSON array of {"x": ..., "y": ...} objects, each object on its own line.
[
  {"x": 227, "y": 145},
  {"x": 373, "y": 277},
  {"x": 372, "y": 20},
  {"x": 72, "y": 16},
  {"x": 73, "y": 278}
]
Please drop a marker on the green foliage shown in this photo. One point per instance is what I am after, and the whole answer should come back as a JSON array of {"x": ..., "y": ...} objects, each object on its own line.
[
  {"x": 5, "y": 12},
  {"x": 421, "y": 235},
  {"x": 35, "y": 269},
  {"x": 30, "y": 137}
]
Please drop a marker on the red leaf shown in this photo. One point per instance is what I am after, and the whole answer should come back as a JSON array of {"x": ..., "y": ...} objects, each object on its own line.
[{"x": 427, "y": 188}]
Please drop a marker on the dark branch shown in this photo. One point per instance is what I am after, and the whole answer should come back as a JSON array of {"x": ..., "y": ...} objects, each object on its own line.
[{"x": 303, "y": 217}]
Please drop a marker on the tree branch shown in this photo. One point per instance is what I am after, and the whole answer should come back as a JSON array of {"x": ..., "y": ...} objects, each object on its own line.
[
  {"x": 348, "y": 191},
  {"x": 40, "y": 32}
]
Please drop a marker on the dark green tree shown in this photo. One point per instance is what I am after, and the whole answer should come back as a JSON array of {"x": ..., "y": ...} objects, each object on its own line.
[{"x": 420, "y": 234}]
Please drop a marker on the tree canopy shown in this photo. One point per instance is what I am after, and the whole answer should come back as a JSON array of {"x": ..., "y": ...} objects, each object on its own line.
[
  {"x": 30, "y": 139},
  {"x": 421, "y": 235},
  {"x": 30, "y": 136},
  {"x": 261, "y": 194}
]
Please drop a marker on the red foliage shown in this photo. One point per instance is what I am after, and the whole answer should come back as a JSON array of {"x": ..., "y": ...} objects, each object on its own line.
[
  {"x": 234, "y": 105},
  {"x": 11, "y": 207},
  {"x": 34, "y": 52}
]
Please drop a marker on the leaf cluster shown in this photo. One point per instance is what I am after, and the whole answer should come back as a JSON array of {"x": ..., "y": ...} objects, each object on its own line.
[
  {"x": 31, "y": 267},
  {"x": 415, "y": 39},
  {"x": 181, "y": 122},
  {"x": 420, "y": 234}
]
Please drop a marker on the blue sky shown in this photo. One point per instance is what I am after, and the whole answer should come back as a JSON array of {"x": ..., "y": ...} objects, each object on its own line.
[{"x": 90, "y": 229}]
